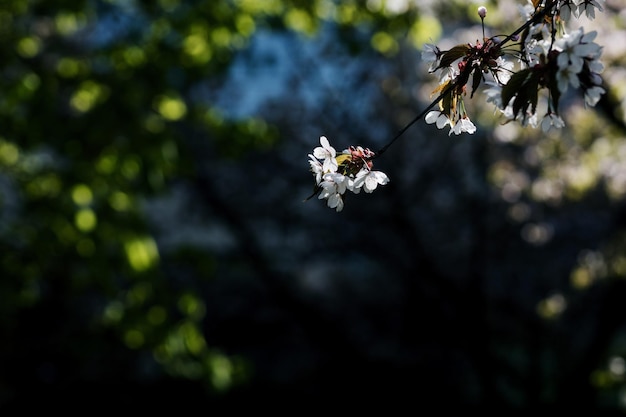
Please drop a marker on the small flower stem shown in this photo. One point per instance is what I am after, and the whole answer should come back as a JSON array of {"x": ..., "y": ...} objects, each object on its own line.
[{"x": 540, "y": 15}]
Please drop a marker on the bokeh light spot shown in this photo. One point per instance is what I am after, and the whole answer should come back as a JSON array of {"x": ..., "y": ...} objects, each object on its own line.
[
  {"x": 384, "y": 43},
  {"x": 245, "y": 24},
  {"x": 425, "y": 29},
  {"x": 134, "y": 56},
  {"x": 171, "y": 108},
  {"x": 196, "y": 46},
  {"x": 120, "y": 201},
  {"x": 31, "y": 81},
  {"x": 221, "y": 37},
  {"x": 142, "y": 253},
  {"x": 134, "y": 339},
  {"x": 85, "y": 220},
  {"x": 194, "y": 341},
  {"x": 68, "y": 67},
  {"x": 82, "y": 195},
  {"x": 107, "y": 162},
  {"x": 581, "y": 278},
  {"x": 552, "y": 307},
  {"x": 617, "y": 366},
  {"x": 67, "y": 23},
  {"x": 9, "y": 153},
  {"x": 191, "y": 306},
  {"x": 346, "y": 13},
  {"x": 87, "y": 96},
  {"x": 29, "y": 47},
  {"x": 537, "y": 233},
  {"x": 299, "y": 20},
  {"x": 222, "y": 371},
  {"x": 131, "y": 167}
]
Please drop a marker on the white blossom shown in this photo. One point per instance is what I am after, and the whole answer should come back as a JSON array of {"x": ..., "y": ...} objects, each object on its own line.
[
  {"x": 566, "y": 9},
  {"x": 336, "y": 202},
  {"x": 528, "y": 119},
  {"x": 332, "y": 188},
  {"x": 551, "y": 119},
  {"x": 351, "y": 186},
  {"x": 526, "y": 11},
  {"x": 596, "y": 67},
  {"x": 316, "y": 168},
  {"x": 333, "y": 183},
  {"x": 534, "y": 49},
  {"x": 574, "y": 48},
  {"x": 326, "y": 153},
  {"x": 463, "y": 125},
  {"x": 369, "y": 180},
  {"x": 353, "y": 174},
  {"x": 430, "y": 55},
  {"x": 504, "y": 70},
  {"x": 494, "y": 94},
  {"x": 565, "y": 77},
  {"x": 570, "y": 55},
  {"x": 589, "y": 6},
  {"x": 333, "y": 200},
  {"x": 540, "y": 31},
  {"x": 438, "y": 117},
  {"x": 592, "y": 95}
]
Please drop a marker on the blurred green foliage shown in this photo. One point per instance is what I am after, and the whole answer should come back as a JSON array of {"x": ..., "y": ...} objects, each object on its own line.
[
  {"x": 96, "y": 112},
  {"x": 93, "y": 98}
]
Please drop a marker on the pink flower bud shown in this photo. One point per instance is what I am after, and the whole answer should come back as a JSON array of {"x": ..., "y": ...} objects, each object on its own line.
[{"x": 482, "y": 12}]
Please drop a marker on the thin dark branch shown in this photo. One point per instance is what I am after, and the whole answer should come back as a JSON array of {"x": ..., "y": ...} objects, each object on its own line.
[{"x": 418, "y": 117}]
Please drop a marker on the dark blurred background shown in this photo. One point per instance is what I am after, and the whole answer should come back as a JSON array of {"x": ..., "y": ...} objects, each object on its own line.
[{"x": 155, "y": 248}]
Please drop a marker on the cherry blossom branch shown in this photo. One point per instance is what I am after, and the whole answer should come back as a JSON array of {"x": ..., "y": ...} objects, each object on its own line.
[
  {"x": 546, "y": 63},
  {"x": 482, "y": 12}
]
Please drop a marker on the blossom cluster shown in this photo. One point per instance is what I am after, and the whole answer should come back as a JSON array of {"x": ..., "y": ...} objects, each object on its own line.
[
  {"x": 546, "y": 58},
  {"x": 337, "y": 173},
  {"x": 539, "y": 59},
  {"x": 457, "y": 66}
]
